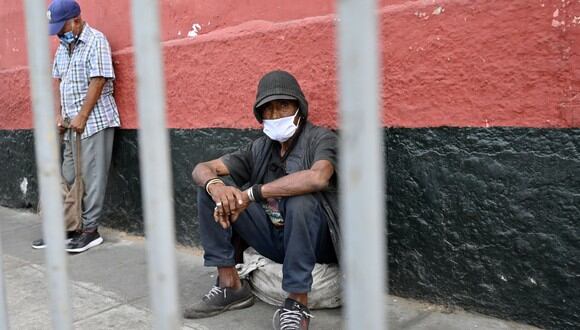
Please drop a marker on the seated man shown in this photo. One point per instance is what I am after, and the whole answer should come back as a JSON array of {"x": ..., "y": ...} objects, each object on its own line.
[{"x": 284, "y": 204}]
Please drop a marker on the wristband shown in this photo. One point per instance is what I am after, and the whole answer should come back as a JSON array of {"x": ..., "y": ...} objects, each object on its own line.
[
  {"x": 212, "y": 181},
  {"x": 257, "y": 192},
  {"x": 250, "y": 194}
]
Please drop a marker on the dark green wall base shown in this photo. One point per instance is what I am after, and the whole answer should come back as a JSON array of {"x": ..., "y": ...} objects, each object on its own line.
[
  {"x": 486, "y": 219},
  {"x": 188, "y": 147},
  {"x": 18, "y": 166}
]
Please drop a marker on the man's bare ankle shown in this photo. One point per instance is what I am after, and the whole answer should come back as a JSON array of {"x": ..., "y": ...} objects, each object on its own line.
[
  {"x": 231, "y": 284},
  {"x": 299, "y": 297},
  {"x": 228, "y": 278}
]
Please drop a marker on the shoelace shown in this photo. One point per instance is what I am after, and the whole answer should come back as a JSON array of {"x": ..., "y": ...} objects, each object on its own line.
[
  {"x": 290, "y": 319},
  {"x": 214, "y": 291}
]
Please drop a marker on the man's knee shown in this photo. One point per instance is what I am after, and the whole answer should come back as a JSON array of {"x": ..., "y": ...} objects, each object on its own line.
[
  {"x": 301, "y": 201},
  {"x": 301, "y": 208}
]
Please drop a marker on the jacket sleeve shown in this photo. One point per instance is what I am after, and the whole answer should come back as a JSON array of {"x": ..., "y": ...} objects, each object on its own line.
[{"x": 240, "y": 164}]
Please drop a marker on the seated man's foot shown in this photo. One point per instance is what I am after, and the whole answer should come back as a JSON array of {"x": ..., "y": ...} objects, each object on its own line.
[
  {"x": 219, "y": 300},
  {"x": 39, "y": 243},
  {"x": 86, "y": 240},
  {"x": 292, "y": 316}
]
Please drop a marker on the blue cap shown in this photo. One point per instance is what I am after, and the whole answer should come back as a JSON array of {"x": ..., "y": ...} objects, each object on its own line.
[{"x": 60, "y": 11}]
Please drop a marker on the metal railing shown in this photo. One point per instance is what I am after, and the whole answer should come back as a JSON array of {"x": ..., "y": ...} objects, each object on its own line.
[
  {"x": 361, "y": 166},
  {"x": 153, "y": 152},
  {"x": 155, "y": 165},
  {"x": 3, "y": 305},
  {"x": 47, "y": 161}
]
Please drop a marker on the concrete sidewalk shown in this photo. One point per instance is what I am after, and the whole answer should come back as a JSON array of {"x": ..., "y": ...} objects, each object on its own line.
[{"x": 109, "y": 289}]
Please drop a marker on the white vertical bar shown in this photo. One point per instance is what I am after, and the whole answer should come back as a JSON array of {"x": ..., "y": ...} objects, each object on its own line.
[
  {"x": 47, "y": 161},
  {"x": 155, "y": 166},
  {"x": 361, "y": 165},
  {"x": 3, "y": 305}
]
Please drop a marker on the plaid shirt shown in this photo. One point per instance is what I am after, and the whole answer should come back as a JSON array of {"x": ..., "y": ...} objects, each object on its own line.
[{"x": 91, "y": 57}]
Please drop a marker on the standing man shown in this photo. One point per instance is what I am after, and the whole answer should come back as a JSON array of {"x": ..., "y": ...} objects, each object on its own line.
[
  {"x": 84, "y": 70},
  {"x": 284, "y": 204}
]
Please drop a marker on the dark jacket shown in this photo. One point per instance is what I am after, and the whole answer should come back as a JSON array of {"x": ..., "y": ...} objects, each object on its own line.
[{"x": 301, "y": 157}]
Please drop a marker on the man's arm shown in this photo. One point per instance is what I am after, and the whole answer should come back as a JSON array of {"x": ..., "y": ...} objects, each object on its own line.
[
  {"x": 96, "y": 85},
  {"x": 315, "y": 179},
  {"x": 228, "y": 199},
  {"x": 209, "y": 170},
  {"x": 58, "y": 105}
]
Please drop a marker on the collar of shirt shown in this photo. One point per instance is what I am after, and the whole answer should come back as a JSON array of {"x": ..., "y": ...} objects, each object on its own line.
[
  {"x": 277, "y": 146},
  {"x": 84, "y": 36}
]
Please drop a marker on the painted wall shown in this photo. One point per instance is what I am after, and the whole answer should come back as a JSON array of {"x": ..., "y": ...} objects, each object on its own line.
[
  {"x": 464, "y": 63},
  {"x": 481, "y": 110},
  {"x": 177, "y": 17}
]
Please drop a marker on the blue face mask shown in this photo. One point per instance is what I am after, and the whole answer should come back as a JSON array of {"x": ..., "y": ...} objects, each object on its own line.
[{"x": 67, "y": 37}]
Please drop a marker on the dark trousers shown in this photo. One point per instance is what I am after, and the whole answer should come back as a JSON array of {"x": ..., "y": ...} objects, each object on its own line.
[{"x": 303, "y": 241}]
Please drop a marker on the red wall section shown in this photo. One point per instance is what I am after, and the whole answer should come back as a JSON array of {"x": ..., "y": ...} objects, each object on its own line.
[
  {"x": 464, "y": 63},
  {"x": 483, "y": 63},
  {"x": 113, "y": 17}
]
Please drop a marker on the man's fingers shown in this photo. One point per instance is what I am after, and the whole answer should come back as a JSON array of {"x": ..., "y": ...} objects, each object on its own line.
[
  {"x": 239, "y": 195},
  {"x": 228, "y": 200},
  {"x": 222, "y": 220},
  {"x": 219, "y": 206},
  {"x": 216, "y": 216},
  {"x": 231, "y": 203},
  {"x": 218, "y": 212},
  {"x": 228, "y": 203},
  {"x": 224, "y": 205}
]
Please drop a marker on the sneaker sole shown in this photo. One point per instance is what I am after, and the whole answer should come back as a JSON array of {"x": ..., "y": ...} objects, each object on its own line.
[
  {"x": 39, "y": 247},
  {"x": 92, "y": 244},
  {"x": 237, "y": 305}
]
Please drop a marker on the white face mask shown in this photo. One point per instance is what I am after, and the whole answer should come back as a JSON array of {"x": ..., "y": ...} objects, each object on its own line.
[{"x": 281, "y": 129}]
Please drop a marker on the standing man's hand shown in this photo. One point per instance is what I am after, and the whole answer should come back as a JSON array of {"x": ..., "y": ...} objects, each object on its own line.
[
  {"x": 60, "y": 124},
  {"x": 79, "y": 123}
]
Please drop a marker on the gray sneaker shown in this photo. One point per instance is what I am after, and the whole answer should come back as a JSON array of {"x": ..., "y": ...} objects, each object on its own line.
[
  {"x": 219, "y": 300},
  {"x": 292, "y": 316}
]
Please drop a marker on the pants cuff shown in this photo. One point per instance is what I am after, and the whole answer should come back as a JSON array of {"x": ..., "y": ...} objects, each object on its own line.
[
  {"x": 219, "y": 263},
  {"x": 295, "y": 289}
]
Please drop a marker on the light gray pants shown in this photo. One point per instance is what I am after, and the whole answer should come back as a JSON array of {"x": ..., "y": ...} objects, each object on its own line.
[{"x": 96, "y": 153}]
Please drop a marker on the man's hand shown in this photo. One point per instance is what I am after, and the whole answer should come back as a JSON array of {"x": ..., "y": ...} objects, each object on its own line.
[
  {"x": 78, "y": 123},
  {"x": 227, "y": 198},
  {"x": 241, "y": 207},
  {"x": 60, "y": 124},
  {"x": 230, "y": 202},
  {"x": 221, "y": 218}
]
